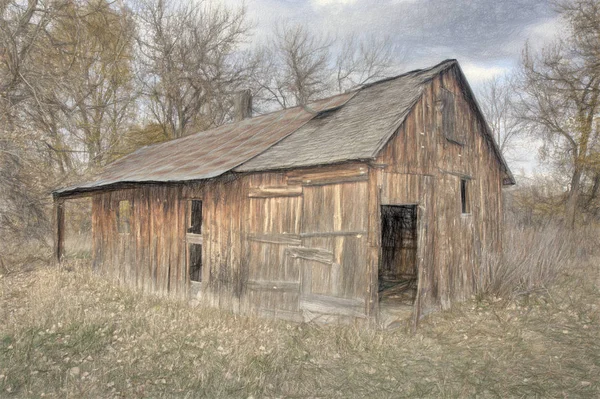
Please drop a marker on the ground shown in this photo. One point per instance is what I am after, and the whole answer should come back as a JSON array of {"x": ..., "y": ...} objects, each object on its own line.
[{"x": 69, "y": 333}]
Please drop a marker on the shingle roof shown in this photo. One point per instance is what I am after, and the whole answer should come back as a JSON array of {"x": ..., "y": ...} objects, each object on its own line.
[
  {"x": 350, "y": 126},
  {"x": 358, "y": 130}
]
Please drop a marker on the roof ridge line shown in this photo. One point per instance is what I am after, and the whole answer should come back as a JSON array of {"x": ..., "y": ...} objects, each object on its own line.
[{"x": 449, "y": 61}]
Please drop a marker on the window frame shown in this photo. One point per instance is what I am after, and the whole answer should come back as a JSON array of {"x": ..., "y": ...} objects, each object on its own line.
[{"x": 124, "y": 218}]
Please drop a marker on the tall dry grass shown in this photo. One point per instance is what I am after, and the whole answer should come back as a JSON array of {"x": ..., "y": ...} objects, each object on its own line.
[
  {"x": 70, "y": 333},
  {"x": 534, "y": 257}
]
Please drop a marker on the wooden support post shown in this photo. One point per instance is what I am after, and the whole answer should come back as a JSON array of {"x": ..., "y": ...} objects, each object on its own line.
[{"x": 59, "y": 228}]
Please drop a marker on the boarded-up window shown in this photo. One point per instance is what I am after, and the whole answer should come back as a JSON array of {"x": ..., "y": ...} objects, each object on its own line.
[
  {"x": 464, "y": 196},
  {"x": 124, "y": 217},
  {"x": 449, "y": 117}
]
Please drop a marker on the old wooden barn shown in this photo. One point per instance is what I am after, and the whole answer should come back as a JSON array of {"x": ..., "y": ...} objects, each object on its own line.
[{"x": 363, "y": 207}]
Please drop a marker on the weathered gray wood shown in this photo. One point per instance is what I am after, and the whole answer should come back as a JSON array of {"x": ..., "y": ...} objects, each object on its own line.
[
  {"x": 329, "y": 175},
  {"x": 458, "y": 174},
  {"x": 194, "y": 238},
  {"x": 322, "y": 181},
  {"x": 283, "y": 239},
  {"x": 275, "y": 286},
  {"x": 316, "y": 254},
  {"x": 333, "y": 233},
  {"x": 332, "y": 305},
  {"x": 274, "y": 192}
]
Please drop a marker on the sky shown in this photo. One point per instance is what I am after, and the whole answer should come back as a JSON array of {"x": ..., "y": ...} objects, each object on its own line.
[{"x": 487, "y": 37}]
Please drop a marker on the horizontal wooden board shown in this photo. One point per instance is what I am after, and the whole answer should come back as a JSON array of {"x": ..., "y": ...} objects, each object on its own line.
[
  {"x": 329, "y": 175},
  {"x": 316, "y": 254},
  {"x": 273, "y": 192},
  {"x": 334, "y": 180},
  {"x": 283, "y": 239},
  {"x": 333, "y": 233},
  {"x": 194, "y": 238},
  {"x": 287, "y": 286},
  {"x": 333, "y": 305}
]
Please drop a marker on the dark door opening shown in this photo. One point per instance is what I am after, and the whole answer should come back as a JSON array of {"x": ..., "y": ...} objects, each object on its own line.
[
  {"x": 398, "y": 264},
  {"x": 194, "y": 240}
]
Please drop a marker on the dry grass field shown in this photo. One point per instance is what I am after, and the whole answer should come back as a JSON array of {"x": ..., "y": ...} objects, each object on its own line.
[{"x": 70, "y": 333}]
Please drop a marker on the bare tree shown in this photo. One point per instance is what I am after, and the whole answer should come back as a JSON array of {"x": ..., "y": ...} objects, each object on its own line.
[
  {"x": 188, "y": 62},
  {"x": 299, "y": 66},
  {"x": 497, "y": 100},
  {"x": 24, "y": 164},
  {"x": 65, "y": 94},
  {"x": 362, "y": 61},
  {"x": 560, "y": 100},
  {"x": 294, "y": 68},
  {"x": 93, "y": 44}
]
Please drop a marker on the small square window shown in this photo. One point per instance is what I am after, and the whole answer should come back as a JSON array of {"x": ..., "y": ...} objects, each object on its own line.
[
  {"x": 465, "y": 201},
  {"x": 124, "y": 217}
]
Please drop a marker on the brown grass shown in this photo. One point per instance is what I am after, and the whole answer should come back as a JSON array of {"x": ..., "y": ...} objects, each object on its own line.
[
  {"x": 73, "y": 334},
  {"x": 534, "y": 257}
]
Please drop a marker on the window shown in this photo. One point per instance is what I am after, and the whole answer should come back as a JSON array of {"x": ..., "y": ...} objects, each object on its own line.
[
  {"x": 194, "y": 239},
  {"x": 124, "y": 217},
  {"x": 195, "y": 222},
  {"x": 464, "y": 196},
  {"x": 449, "y": 117}
]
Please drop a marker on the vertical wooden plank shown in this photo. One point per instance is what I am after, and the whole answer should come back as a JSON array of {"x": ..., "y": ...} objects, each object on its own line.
[
  {"x": 59, "y": 228},
  {"x": 374, "y": 243}
]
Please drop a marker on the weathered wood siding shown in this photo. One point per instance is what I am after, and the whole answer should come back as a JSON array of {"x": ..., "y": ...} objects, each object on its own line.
[
  {"x": 289, "y": 244},
  {"x": 151, "y": 256},
  {"x": 423, "y": 165}
]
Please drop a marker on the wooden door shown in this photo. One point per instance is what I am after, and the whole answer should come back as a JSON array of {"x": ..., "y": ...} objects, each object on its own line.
[{"x": 273, "y": 278}]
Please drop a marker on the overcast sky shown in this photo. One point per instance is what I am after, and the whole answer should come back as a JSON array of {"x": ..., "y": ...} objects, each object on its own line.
[{"x": 486, "y": 36}]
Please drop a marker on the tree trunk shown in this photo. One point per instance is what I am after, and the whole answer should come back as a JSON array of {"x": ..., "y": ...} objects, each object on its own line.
[
  {"x": 595, "y": 188},
  {"x": 573, "y": 198}
]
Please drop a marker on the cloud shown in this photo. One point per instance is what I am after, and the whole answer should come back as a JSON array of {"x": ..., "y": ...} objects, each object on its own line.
[
  {"x": 546, "y": 31},
  {"x": 477, "y": 73},
  {"x": 332, "y": 2}
]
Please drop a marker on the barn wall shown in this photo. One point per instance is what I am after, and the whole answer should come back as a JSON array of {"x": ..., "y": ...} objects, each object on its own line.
[
  {"x": 290, "y": 244},
  {"x": 463, "y": 239},
  {"x": 421, "y": 165},
  {"x": 150, "y": 256}
]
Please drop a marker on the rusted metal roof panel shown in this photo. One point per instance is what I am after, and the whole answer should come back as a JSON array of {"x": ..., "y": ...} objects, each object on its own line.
[{"x": 209, "y": 153}]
